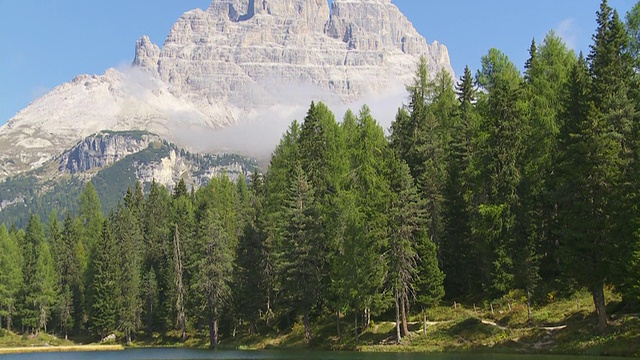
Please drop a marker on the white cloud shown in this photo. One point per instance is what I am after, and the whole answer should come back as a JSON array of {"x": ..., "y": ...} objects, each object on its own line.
[{"x": 569, "y": 31}]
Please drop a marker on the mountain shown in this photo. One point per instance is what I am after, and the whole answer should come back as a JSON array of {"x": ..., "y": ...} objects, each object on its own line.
[
  {"x": 236, "y": 62},
  {"x": 113, "y": 161}
]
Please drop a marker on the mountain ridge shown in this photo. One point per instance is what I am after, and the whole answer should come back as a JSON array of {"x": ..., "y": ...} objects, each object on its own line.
[{"x": 232, "y": 63}]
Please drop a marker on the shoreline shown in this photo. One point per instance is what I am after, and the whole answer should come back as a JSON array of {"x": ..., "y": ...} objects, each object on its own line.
[{"x": 65, "y": 348}]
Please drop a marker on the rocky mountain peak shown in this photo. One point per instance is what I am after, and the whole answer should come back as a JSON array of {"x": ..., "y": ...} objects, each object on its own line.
[{"x": 237, "y": 61}]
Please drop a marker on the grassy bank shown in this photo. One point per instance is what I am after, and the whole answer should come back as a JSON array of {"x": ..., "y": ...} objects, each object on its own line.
[
  {"x": 12, "y": 343},
  {"x": 37, "y": 349},
  {"x": 567, "y": 326}
]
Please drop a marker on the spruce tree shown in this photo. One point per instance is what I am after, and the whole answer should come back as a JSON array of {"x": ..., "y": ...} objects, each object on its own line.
[
  {"x": 214, "y": 269},
  {"x": 105, "y": 285},
  {"x": 128, "y": 240},
  {"x": 497, "y": 171},
  {"x": 10, "y": 277},
  {"x": 406, "y": 218},
  {"x": 456, "y": 246}
]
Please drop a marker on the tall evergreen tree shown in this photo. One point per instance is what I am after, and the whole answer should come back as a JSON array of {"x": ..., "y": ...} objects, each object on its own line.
[
  {"x": 128, "y": 240},
  {"x": 105, "y": 286},
  {"x": 588, "y": 172},
  {"x": 158, "y": 253},
  {"x": 10, "y": 277},
  {"x": 406, "y": 218},
  {"x": 456, "y": 247},
  {"x": 249, "y": 289},
  {"x": 497, "y": 171},
  {"x": 215, "y": 269}
]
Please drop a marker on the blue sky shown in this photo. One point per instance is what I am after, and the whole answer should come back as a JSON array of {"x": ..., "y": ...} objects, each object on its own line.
[{"x": 47, "y": 42}]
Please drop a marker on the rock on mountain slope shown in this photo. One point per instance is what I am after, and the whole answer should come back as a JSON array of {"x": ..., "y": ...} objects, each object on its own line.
[
  {"x": 113, "y": 161},
  {"x": 227, "y": 64}
]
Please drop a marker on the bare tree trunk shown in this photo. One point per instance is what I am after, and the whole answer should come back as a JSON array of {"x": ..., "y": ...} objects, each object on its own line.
[
  {"x": 268, "y": 307},
  {"x": 252, "y": 327},
  {"x": 177, "y": 257},
  {"x": 398, "y": 336},
  {"x": 338, "y": 323},
  {"x": 405, "y": 325},
  {"x": 216, "y": 336},
  {"x": 424, "y": 321},
  {"x": 356, "y": 325},
  {"x": 128, "y": 336},
  {"x": 368, "y": 313},
  {"x": 601, "y": 310},
  {"x": 307, "y": 326}
]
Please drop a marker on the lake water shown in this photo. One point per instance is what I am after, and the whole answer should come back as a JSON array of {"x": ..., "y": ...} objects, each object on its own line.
[{"x": 188, "y": 354}]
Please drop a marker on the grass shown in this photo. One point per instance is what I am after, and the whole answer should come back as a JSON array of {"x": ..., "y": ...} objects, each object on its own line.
[
  {"x": 12, "y": 343},
  {"x": 562, "y": 326}
]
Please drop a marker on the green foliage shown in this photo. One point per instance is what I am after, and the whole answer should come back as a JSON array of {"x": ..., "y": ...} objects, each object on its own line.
[
  {"x": 10, "y": 276},
  {"x": 105, "y": 285},
  {"x": 517, "y": 187}
]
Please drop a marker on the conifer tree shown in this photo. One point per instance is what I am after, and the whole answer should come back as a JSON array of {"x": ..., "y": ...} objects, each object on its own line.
[
  {"x": 10, "y": 277},
  {"x": 158, "y": 253},
  {"x": 497, "y": 171},
  {"x": 128, "y": 240},
  {"x": 406, "y": 218},
  {"x": 249, "y": 290},
  {"x": 301, "y": 253},
  {"x": 91, "y": 216},
  {"x": 215, "y": 269},
  {"x": 105, "y": 285},
  {"x": 456, "y": 247}
]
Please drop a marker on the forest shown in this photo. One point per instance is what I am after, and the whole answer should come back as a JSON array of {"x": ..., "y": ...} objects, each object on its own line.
[{"x": 500, "y": 184}]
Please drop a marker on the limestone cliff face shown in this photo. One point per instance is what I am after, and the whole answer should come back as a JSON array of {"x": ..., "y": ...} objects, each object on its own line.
[
  {"x": 149, "y": 158},
  {"x": 103, "y": 149},
  {"x": 232, "y": 62},
  {"x": 236, "y": 50}
]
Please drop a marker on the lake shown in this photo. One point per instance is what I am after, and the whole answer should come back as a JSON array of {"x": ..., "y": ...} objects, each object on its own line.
[{"x": 188, "y": 354}]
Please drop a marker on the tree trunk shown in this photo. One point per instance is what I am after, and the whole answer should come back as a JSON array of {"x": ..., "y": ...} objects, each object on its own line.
[
  {"x": 599, "y": 302},
  {"x": 398, "y": 336},
  {"x": 368, "y": 312},
  {"x": 252, "y": 327},
  {"x": 356, "y": 325},
  {"x": 212, "y": 331},
  {"x": 528, "y": 306},
  {"x": 177, "y": 256},
  {"x": 338, "y": 323},
  {"x": 405, "y": 325},
  {"x": 424, "y": 321},
  {"x": 215, "y": 331},
  {"x": 128, "y": 335},
  {"x": 268, "y": 307},
  {"x": 307, "y": 326}
]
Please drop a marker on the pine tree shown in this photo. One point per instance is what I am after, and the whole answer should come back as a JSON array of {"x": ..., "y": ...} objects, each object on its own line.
[
  {"x": 105, "y": 286},
  {"x": 456, "y": 247},
  {"x": 34, "y": 237},
  {"x": 406, "y": 218},
  {"x": 588, "y": 172},
  {"x": 496, "y": 171},
  {"x": 91, "y": 216},
  {"x": 363, "y": 208},
  {"x": 301, "y": 253},
  {"x": 215, "y": 269},
  {"x": 10, "y": 276},
  {"x": 249, "y": 290},
  {"x": 128, "y": 240},
  {"x": 158, "y": 253},
  {"x": 71, "y": 265}
]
